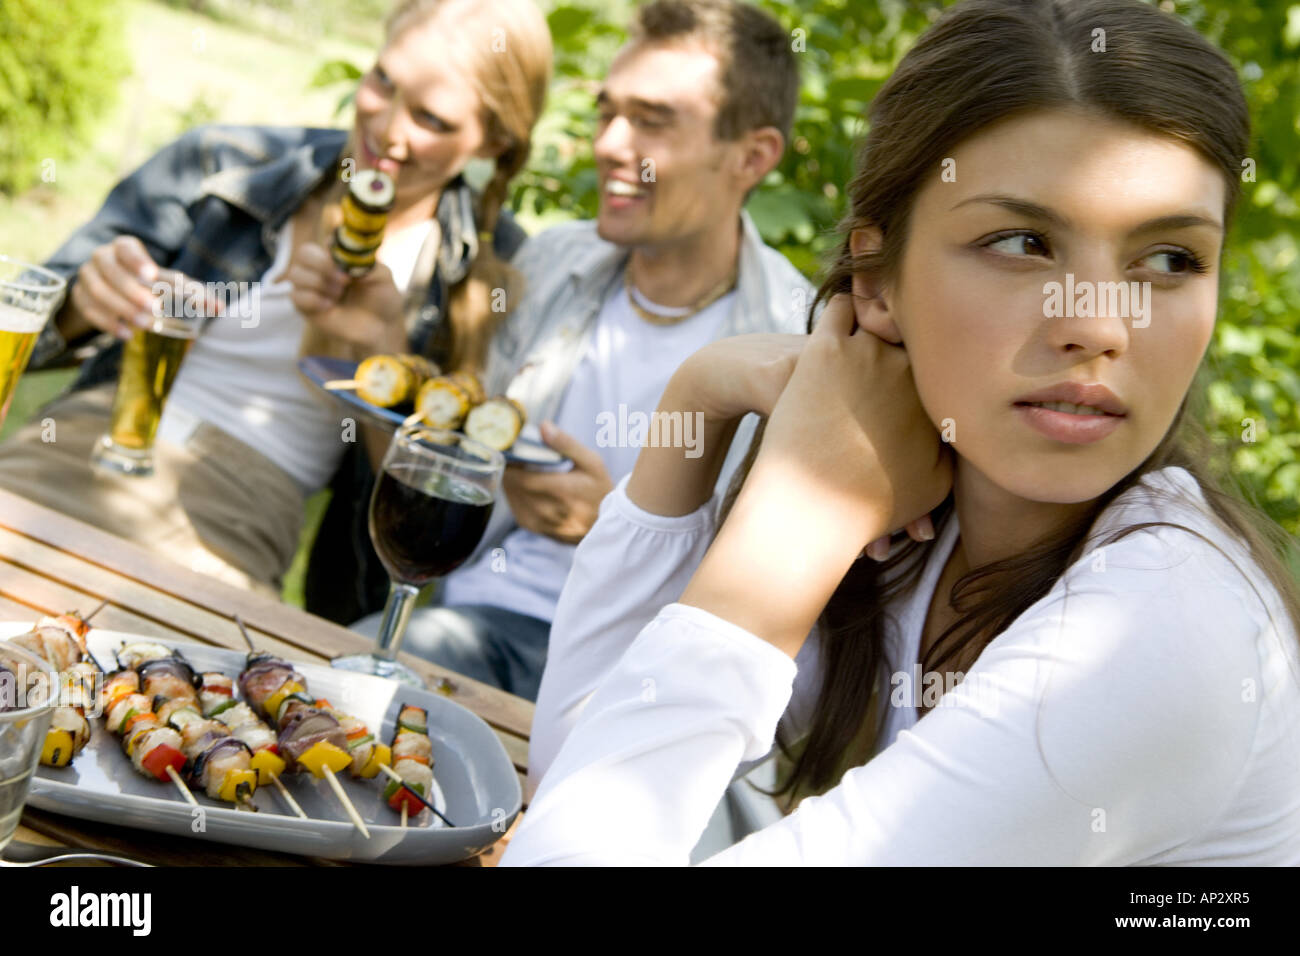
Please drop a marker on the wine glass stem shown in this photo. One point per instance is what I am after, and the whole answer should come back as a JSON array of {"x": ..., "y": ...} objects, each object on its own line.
[{"x": 397, "y": 611}]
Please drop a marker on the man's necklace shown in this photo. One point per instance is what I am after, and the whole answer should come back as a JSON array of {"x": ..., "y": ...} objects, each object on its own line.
[{"x": 660, "y": 318}]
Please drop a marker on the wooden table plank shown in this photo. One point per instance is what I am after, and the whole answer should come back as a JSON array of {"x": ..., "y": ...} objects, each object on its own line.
[
  {"x": 129, "y": 562},
  {"x": 11, "y": 610},
  {"x": 40, "y": 575},
  {"x": 516, "y": 748}
]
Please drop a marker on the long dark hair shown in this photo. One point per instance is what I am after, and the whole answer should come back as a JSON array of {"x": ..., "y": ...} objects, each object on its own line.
[{"x": 982, "y": 61}]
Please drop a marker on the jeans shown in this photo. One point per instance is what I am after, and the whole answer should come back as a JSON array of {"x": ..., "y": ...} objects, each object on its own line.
[{"x": 498, "y": 647}]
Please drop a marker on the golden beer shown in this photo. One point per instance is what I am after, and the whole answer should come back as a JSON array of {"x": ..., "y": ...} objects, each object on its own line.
[
  {"x": 150, "y": 361},
  {"x": 19, "y": 329}
]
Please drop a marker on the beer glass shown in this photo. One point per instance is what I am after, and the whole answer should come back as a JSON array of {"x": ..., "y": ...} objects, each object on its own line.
[
  {"x": 28, "y": 695},
  {"x": 428, "y": 513},
  {"x": 150, "y": 361},
  {"x": 29, "y": 295}
]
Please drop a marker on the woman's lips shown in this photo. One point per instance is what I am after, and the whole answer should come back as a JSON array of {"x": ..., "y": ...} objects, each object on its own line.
[
  {"x": 1068, "y": 427},
  {"x": 371, "y": 159}
]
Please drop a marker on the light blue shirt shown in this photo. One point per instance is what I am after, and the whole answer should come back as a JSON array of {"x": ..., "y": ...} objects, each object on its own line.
[{"x": 570, "y": 273}]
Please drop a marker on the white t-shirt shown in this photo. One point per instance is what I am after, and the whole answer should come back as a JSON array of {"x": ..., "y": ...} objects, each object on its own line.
[
  {"x": 616, "y": 385},
  {"x": 1146, "y": 711},
  {"x": 246, "y": 381}
]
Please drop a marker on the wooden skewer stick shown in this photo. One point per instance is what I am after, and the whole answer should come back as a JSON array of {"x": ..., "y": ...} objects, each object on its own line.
[
  {"x": 347, "y": 804},
  {"x": 413, "y": 419},
  {"x": 171, "y": 771},
  {"x": 341, "y": 384},
  {"x": 329, "y": 774},
  {"x": 288, "y": 797},
  {"x": 403, "y": 814},
  {"x": 244, "y": 631},
  {"x": 102, "y": 604},
  {"x": 180, "y": 785},
  {"x": 398, "y": 777}
]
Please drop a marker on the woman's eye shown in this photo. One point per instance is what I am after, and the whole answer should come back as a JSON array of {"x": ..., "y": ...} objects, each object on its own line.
[
  {"x": 1176, "y": 262},
  {"x": 382, "y": 78},
  {"x": 1019, "y": 244},
  {"x": 435, "y": 122}
]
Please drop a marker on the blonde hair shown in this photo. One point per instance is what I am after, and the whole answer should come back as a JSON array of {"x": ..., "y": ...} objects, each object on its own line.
[{"x": 504, "y": 48}]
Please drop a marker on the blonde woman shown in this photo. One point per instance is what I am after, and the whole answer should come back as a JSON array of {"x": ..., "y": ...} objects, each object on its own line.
[{"x": 244, "y": 439}]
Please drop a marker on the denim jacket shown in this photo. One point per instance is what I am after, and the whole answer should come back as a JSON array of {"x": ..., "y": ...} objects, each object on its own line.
[{"x": 210, "y": 205}]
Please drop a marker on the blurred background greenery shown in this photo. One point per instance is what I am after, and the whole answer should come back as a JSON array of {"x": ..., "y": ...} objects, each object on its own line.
[{"x": 98, "y": 85}]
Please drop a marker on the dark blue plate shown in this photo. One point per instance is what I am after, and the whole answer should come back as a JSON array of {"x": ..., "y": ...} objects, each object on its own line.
[{"x": 526, "y": 452}]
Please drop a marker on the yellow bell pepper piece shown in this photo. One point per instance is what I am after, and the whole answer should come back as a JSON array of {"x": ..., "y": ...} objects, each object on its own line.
[
  {"x": 135, "y": 737},
  {"x": 380, "y": 755},
  {"x": 275, "y": 700},
  {"x": 58, "y": 749},
  {"x": 230, "y": 786},
  {"x": 267, "y": 765},
  {"x": 324, "y": 754}
]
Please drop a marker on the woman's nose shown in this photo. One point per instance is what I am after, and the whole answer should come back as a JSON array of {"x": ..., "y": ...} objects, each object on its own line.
[
  {"x": 394, "y": 131},
  {"x": 1091, "y": 312}
]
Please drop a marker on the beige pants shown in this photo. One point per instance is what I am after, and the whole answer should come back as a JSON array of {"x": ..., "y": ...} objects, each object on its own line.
[{"x": 214, "y": 505}]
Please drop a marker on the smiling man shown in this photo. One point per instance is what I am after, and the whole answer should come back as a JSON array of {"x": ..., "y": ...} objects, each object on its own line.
[{"x": 695, "y": 112}]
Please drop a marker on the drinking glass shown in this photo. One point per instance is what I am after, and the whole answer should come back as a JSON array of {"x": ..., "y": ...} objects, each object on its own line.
[
  {"x": 429, "y": 510},
  {"x": 29, "y": 295},
  {"x": 28, "y": 694},
  {"x": 150, "y": 361}
]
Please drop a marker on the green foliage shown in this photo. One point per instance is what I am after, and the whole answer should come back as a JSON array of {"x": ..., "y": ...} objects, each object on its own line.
[
  {"x": 1255, "y": 354},
  {"x": 338, "y": 71},
  {"x": 202, "y": 110},
  {"x": 59, "y": 66},
  {"x": 560, "y": 181}
]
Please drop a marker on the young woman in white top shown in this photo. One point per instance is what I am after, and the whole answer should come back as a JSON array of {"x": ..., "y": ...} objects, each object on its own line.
[{"x": 1095, "y": 661}]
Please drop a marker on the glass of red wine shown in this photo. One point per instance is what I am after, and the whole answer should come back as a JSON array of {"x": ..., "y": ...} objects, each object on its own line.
[{"x": 429, "y": 510}]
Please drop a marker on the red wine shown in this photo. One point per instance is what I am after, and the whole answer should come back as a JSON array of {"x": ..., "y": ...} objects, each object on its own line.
[{"x": 426, "y": 525}]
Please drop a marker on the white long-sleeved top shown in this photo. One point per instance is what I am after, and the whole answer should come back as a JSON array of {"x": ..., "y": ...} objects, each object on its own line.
[{"x": 1145, "y": 711}]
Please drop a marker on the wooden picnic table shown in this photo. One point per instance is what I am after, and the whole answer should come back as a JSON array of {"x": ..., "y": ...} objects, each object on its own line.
[{"x": 51, "y": 564}]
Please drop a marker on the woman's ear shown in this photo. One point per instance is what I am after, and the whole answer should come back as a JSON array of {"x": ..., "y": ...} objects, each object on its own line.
[{"x": 869, "y": 299}]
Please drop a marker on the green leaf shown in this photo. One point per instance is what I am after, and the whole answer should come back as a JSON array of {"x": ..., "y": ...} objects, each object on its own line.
[
  {"x": 567, "y": 21},
  {"x": 335, "y": 71}
]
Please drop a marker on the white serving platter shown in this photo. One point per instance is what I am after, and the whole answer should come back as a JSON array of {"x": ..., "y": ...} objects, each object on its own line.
[{"x": 476, "y": 785}]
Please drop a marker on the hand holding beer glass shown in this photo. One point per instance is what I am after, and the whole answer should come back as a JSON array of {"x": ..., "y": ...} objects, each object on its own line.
[
  {"x": 150, "y": 360},
  {"x": 29, "y": 295}
]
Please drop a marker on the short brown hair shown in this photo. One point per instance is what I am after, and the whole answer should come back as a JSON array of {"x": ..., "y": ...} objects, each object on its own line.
[{"x": 756, "y": 65}]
